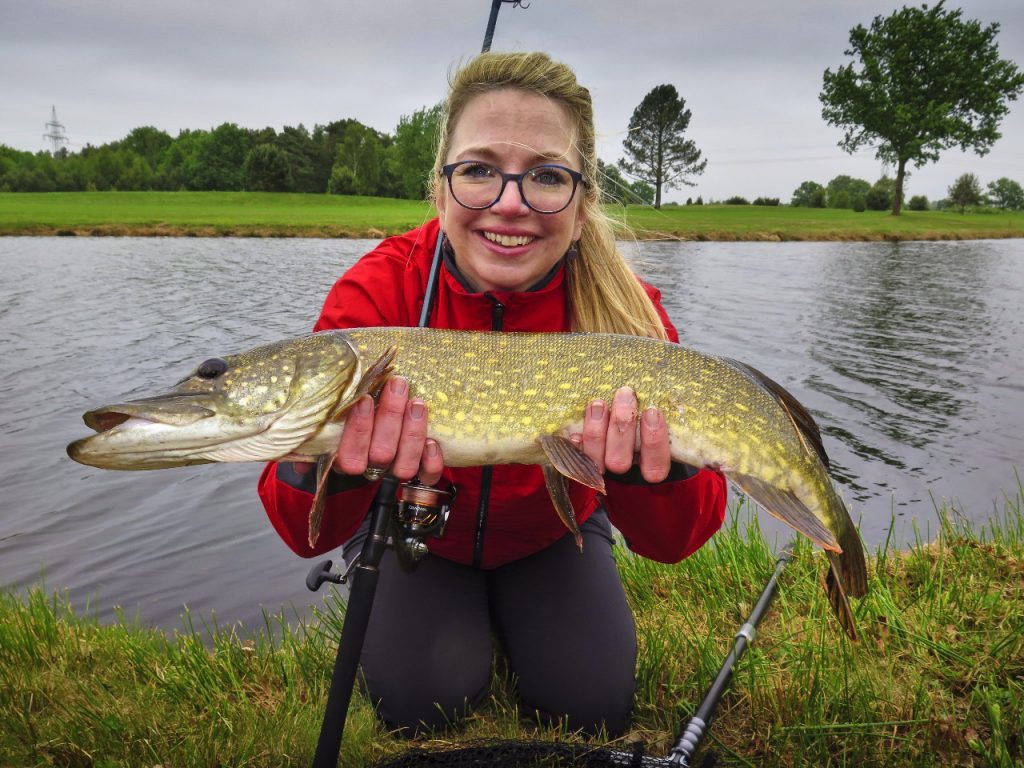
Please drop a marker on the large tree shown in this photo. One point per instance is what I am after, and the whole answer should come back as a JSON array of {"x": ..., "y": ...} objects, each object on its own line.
[
  {"x": 656, "y": 150},
  {"x": 923, "y": 81}
]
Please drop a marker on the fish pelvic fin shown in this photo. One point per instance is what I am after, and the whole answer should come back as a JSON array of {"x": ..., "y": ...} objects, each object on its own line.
[
  {"x": 837, "y": 598},
  {"x": 558, "y": 488},
  {"x": 787, "y": 508},
  {"x": 570, "y": 460},
  {"x": 316, "y": 511}
]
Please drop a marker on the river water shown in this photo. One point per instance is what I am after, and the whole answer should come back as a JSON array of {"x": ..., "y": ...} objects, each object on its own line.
[{"x": 910, "y": 355}]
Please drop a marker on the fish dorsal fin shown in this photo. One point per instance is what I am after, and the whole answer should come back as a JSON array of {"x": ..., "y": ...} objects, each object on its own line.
[
  {"x": 571, "y": 461},
  {"x": 788, "y": 508},
  {"x": 806, "y": 426},
  {"x": 837, "y": 597},
  {"x": 559, "y": 491}
]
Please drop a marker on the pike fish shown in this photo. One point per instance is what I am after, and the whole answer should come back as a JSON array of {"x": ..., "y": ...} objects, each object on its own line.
[{"x": 495, "y": 398}]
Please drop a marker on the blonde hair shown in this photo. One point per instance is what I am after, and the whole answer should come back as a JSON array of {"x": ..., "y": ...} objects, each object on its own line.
[{"x": 604, "y": 294}]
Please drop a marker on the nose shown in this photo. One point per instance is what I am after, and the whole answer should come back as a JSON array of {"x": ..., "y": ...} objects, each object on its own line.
[{"x": 511, "y": 202}]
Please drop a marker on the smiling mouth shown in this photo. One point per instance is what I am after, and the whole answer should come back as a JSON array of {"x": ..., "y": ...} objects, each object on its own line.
[{"x": 509, "y": 241}]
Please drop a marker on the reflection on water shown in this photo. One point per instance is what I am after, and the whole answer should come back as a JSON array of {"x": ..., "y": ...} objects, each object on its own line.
[{"x": 911, "y": 357}]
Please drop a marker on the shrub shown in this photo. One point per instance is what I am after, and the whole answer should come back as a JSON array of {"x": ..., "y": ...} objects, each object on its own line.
[
  {"x": 766, "y": 201},
  {"x": 918, "y": 203},
  {"x": 737, "y": 200}
]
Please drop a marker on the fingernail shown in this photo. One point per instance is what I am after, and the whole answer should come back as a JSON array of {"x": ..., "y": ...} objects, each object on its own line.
[
  {"x": 596, "y": 410},
  {"x": 364, "y": 406},
  {"x": 430, "y": 448},
  {"x": 652, "y": 418},
  {"x": 417, "y": 410},
  {"x": 397, "y": 385}
]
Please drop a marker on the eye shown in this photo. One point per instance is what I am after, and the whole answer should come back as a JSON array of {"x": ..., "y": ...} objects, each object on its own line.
[
  {"x": 473, "y": 171},
  {"x": 211, "y": 368},
  {"x": 549, "y": 176}
]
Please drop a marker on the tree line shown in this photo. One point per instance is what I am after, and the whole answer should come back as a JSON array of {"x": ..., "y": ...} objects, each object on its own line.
[
  {"x": 342, "y": 157},
  {"x": 859, "y": 195}
]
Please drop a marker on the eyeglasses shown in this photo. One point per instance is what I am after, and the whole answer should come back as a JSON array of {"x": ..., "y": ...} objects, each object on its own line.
[{"x": 544, "y": 189}]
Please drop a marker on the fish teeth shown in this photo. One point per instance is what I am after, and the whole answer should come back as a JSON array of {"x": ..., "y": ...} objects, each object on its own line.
[{"x": 508, "y": 241}]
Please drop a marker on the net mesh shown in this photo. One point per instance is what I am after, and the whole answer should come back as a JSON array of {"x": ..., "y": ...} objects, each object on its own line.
[{"x": 527, "y": 754}]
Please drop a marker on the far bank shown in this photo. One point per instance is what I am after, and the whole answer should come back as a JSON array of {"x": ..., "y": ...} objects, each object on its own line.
[{"x": 261, "y": 214}]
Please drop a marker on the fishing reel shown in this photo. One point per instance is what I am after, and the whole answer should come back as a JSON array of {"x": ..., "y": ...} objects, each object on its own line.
[
  {"x": 413, "y": 511},
  {"x": 420, "y": 511}
]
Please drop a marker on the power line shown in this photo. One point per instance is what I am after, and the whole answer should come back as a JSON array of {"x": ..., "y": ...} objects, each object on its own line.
[{"x": 55, "y": 132}]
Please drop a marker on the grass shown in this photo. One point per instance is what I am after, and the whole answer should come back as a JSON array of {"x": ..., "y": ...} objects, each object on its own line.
[
  {"x": 257, "y": 214},
  {"x": 937, "y": 678}
]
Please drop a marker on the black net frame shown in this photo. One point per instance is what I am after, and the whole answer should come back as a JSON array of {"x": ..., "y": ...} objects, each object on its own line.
[{"x": 532, "y": 754}]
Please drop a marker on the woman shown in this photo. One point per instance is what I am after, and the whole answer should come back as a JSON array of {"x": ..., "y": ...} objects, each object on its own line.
[{"x": 526, "y": 248}]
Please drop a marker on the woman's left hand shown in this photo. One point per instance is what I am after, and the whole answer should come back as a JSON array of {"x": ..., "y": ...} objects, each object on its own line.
[{"x": 609, "y": 437}]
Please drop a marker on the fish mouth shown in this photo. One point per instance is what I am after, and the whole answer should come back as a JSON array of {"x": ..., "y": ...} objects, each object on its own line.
[{"x": 170, "y": 411}]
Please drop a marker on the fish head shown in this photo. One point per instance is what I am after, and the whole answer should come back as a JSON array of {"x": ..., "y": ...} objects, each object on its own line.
[{"x": 253, "y": 406}]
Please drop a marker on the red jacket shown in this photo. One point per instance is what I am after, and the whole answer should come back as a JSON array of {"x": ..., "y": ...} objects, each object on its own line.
[{"x": 665, "y": 522}]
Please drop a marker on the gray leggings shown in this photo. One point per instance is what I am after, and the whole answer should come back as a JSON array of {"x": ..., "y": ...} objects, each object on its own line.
[{"x": 560, "y": 616}]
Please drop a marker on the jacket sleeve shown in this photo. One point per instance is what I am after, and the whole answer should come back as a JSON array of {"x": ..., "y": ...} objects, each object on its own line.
[
  {"x": 671, "y": 520},
  {"x": 367, "y": 295}
]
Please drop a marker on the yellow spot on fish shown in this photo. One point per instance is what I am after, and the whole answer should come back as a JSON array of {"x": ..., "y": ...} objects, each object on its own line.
[
  {"x": 441, "y": 396},
  {"x": 529, "y": 392}
]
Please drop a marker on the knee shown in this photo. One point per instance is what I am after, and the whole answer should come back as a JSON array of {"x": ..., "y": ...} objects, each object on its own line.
[
  {"x": 425, "y": 697},
  {"x": 592, "y": 706}
]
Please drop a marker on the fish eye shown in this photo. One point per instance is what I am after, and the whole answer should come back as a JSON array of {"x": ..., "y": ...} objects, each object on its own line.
[{"x": 212, "y": 368}]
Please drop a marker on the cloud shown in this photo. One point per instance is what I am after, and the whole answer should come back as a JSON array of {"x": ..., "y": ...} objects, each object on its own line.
[{"x": 751, "y": 73}]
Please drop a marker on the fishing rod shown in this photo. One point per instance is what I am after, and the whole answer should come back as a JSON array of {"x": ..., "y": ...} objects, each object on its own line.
[
  {"x": 696, "y": 728},
  {"x": 402, "y": 515},
  {"x": 435, "y": 265}
]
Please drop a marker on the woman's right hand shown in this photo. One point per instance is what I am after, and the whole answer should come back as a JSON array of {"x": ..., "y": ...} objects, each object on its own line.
[{"x": 393, "y": 437}]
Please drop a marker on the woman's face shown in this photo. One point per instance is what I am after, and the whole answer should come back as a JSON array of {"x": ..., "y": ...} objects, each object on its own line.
[{"x": 509, "y": 246}]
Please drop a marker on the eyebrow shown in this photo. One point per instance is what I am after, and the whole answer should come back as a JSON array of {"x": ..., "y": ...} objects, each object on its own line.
[{"x": 490, "y": 155}]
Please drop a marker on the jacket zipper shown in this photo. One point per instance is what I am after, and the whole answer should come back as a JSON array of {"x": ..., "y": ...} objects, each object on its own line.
[{"x": 497, "y": 323}]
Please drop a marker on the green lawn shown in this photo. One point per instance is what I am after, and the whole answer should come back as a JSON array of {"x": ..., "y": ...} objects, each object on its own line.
[
  {"x": 749, "y": 222},
  {"x": 207, "y": 214},
  {"x": 258, "y": 214},
  {"x": 937, "y": 677}
]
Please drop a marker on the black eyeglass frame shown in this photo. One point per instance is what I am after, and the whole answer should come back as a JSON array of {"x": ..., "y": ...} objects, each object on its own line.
[{"x": 576, "y": 176}]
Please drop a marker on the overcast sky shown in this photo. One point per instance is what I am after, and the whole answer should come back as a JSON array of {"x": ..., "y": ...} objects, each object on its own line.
[{"x": 750, "y": 72}]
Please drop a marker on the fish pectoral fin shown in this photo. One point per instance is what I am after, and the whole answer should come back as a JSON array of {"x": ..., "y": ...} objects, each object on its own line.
[
  {"x": 571, "y": 461},
  {"x": 559, "y": 490},
  {"x": 787, "y": 508},
  {"x": 316, "y": 512},
  {"x": 837, "y": 596},
  {"x": 371, "y": 382}
]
